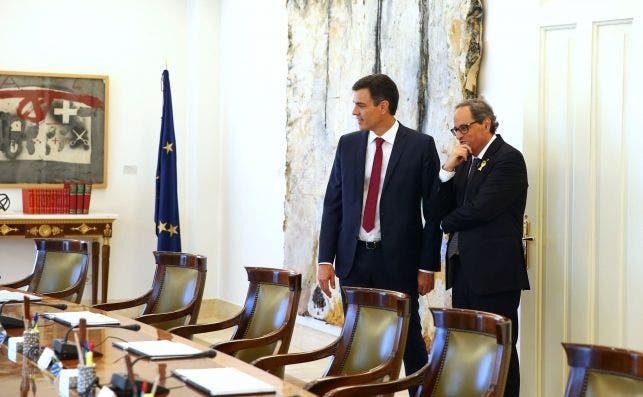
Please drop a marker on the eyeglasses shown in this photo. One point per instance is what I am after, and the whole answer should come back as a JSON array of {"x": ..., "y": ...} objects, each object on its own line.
[{"x": 463, "y": 129}]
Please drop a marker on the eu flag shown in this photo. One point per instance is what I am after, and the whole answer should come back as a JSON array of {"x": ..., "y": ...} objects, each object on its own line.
[{"x": 166, "y": 213}]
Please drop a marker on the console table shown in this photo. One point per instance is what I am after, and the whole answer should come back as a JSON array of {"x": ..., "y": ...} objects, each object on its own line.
[{"x": 97, "y": 226}]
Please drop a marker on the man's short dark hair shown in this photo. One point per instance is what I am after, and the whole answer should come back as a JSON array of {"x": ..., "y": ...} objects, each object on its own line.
[
  {"x": 382, "y": 88},
  {"x": 480, "y": 110}
]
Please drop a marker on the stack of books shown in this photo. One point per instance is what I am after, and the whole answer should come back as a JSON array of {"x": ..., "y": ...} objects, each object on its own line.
[{"x": 73, "y": 198}]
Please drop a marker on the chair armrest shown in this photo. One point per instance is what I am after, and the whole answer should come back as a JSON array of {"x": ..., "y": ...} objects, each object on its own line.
[
  {"x": 187, "y": 331},
  {"x": 152, "y": 318},
  {"x": 233, "y": 346},
  {"x": 272, "y": 364},
  {"x": 372, "y": 389},
  {"x": 19, "y": 283},
  {"x": 141, "y": 300},
  {"x": 62, "y": 293}
]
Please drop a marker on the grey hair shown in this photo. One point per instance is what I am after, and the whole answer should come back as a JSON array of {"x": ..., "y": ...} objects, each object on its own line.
[{"x": 479, "y": 111}]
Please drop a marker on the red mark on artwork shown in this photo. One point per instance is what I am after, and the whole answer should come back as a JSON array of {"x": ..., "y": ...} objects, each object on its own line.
[{"x": 36, "y": 103}]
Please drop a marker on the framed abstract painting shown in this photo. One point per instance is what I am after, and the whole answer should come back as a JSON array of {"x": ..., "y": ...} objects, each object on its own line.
[{"x": 53, "y": 129}]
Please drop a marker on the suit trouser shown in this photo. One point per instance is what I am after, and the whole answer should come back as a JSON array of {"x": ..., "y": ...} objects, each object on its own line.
[
  {"x": 503, "y": 303},
  {"x": 368, "y": 271}
]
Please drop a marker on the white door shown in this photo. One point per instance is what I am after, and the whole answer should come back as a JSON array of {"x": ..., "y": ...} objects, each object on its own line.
[{"x": 584, "y": 152}]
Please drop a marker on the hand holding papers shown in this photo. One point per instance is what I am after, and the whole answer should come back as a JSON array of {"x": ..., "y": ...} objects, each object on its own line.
[{"x": 223, "y": 381}]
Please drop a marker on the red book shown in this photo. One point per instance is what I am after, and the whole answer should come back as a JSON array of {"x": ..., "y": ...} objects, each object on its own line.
[
  {"x": 32, "y": 201},
  {"x": 65, "y": 203},
  {"x": 88, "y": 196},
  {"x": 26, "y": 208},
  {"x": 72, "y": 197},
  {"x": 38, "y": 205}
]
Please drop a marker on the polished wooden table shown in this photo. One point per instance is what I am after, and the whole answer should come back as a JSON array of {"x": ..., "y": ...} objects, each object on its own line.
[
  {"x": 97, "y": 226},
  {"x": 23, "y": 374}
]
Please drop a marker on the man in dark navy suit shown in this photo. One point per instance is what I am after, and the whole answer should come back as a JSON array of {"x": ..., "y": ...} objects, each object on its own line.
[
  {"x": 382, "y": 180},
  {"x": 482, "y": 201}
]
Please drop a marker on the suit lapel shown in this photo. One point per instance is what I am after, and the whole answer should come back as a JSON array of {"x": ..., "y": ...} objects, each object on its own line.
[
  {"x": 360, "y": 162},
  {"x": 487, "y": 158},
  {"x": 396, "y": 153}
]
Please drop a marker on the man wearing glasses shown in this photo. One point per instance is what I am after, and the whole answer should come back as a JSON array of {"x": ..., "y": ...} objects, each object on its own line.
[{"x": 482, "y": 202}]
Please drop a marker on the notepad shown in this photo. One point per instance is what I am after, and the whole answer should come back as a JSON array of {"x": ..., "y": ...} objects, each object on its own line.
[
  {"x": 223, "y": 381},
  {"x": 158, "y": 349},
  {"x": 6, "y": 296},
  {"x": 71, "y": 319}
]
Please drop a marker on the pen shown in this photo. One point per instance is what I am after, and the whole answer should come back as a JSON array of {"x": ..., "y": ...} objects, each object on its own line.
[
  {"x": 35, "y": 322},
  {"x": 80, "y": 351},
  {"x": 89, "y": 354}
]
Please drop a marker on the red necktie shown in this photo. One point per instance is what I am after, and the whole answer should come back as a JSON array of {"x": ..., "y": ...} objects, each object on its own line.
[{"x": 368, "y": 223}]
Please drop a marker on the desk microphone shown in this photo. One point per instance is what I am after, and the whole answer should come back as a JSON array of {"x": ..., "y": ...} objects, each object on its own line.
[
  {"x": 67, "y": 351},
  {"x": 12, "y": 322}
]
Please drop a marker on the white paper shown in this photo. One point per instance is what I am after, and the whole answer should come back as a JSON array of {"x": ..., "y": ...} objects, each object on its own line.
[
  {"x": 6, "y": 296},
  {"x": 158, "y": 348},
  {"x": 45, "y": 358},
  {"x": 68, "y": 379},
  {"x": 72, "y": 318},
  {"x": 223, "y": 381},
  {"x": 15, "y": 347},
  {"x": 106, "y": 392}
]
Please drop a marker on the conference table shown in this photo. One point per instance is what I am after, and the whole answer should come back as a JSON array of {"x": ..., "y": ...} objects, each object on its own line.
[{"x": 23, "y": 378}]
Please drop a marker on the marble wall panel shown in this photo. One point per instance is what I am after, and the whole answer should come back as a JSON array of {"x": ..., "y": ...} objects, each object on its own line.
[{"x": 431, "y": 49}]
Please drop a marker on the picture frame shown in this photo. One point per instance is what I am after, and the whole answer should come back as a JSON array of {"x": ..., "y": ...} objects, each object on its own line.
[{"x": 53, "y": 129}]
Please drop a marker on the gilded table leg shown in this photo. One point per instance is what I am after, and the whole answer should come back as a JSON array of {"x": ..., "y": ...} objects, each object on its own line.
[
  {"x": 105, "y": 269},
  {"x": 95, "y": 254}
]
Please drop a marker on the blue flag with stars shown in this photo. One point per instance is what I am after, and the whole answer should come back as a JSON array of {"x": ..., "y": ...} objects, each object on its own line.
[{"x": 166, "y": 213}]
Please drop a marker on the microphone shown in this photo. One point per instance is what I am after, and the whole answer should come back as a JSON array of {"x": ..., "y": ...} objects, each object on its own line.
[
  {"x": 67, "y": 351},
  {"x": 122, "y": 385},
  {"x": 12, "y": 322}
]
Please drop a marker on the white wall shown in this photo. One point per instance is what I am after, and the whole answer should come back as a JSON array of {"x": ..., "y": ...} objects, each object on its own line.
[
  {"x": 131, "y": 42},
  {"x": 253, "y": 119},
  {"x": 502, "y": 78}
]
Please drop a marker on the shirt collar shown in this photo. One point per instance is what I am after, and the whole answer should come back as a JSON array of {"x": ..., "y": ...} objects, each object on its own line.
[
  {"x": 484, "y": 149},
  {"x": 388, "y": 136}
]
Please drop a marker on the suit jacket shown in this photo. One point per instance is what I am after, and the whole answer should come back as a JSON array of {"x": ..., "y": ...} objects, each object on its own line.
[
  {"x": 487, "y": 210},
  {"x": 410, "y": 180}
]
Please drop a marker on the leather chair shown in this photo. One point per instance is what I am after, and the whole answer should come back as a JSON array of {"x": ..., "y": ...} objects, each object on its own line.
[
  {"x": 370, "y": 347},
  {"x": 60, "y": 269},
  {"x": 267, "y": 320},
  {"x": 469, "y": 357},
  {"x": 176, "y": 293},
  {"x": 603, "y": 371}
]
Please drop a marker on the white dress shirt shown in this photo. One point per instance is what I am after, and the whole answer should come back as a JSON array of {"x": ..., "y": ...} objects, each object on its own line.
[{"x": 387, "y": 146}]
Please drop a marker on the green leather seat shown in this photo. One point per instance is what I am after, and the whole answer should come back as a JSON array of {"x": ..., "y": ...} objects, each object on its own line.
[
  {"x": 176, "y": 293},
  {"x": 597, "y": 371},
  {"x": 265, "y": 323},
  {"x": 469, "y": 357},
  {"x": 370, "y": 347},
  {"x": 60, "y": 269}
]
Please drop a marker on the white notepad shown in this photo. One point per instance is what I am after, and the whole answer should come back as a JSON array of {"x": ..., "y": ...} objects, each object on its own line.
[
  {"x": 71, "y": 319},
  {"x": 6, "y": 296},
  {"x": 223, "y": 381},
  {"x": 157, "y": 349}
]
